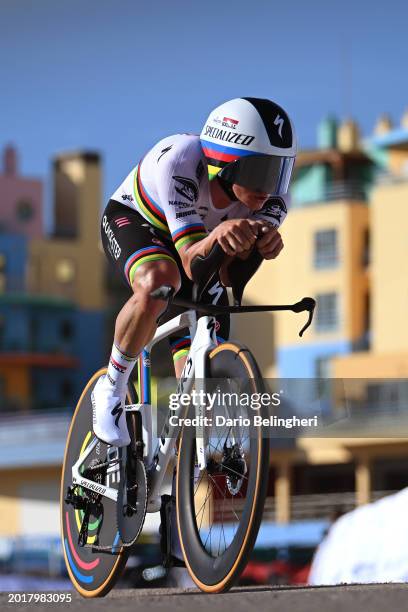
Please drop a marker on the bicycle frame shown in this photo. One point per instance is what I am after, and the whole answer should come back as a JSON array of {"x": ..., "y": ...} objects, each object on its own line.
[{"x": 202, "y": 332}]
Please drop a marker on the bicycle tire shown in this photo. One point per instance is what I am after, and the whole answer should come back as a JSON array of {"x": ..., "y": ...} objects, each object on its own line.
[
  {"x": 218, "y": 574},
  {"x": 93, "y": 573}
]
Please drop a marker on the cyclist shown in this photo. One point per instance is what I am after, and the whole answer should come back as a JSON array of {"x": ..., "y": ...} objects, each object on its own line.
[{"x": 228, "y": 185}]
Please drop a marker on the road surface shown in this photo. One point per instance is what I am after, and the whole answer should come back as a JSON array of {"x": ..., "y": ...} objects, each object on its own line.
[{"x": 352, "y": 598}]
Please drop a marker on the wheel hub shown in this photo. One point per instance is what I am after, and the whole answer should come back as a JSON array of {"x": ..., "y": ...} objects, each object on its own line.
[{"x": 232, "y": 464}]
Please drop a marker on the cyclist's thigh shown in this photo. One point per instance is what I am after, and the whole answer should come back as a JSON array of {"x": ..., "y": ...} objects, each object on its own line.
[
  {"x": 130, "y": 242},
  {"x": 215, "y": 294}
]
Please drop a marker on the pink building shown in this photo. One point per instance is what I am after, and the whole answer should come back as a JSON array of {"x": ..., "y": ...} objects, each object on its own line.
[{"x": 20, "y": 199}]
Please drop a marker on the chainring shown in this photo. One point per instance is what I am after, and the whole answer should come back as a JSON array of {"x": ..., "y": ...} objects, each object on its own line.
[{"x": 131, "y": 504}]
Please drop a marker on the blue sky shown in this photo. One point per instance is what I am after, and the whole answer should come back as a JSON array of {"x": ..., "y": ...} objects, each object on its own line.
[{"x": 116, "y": 76}]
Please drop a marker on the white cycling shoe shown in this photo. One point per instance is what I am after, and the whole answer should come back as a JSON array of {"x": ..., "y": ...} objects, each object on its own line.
[{"x": 108, "y": 414}]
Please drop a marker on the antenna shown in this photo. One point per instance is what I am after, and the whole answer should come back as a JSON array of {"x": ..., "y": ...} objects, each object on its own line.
[{"x": 346, "y": 78}]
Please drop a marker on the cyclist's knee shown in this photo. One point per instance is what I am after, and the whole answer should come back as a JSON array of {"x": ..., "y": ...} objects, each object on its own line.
[{"x": 151, "y": 276}]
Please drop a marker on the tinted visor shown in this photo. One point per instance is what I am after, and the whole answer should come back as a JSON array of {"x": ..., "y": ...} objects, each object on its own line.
[{"x": 263, "y": 173}]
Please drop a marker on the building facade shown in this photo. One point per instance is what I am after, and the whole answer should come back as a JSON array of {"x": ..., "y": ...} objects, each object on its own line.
[
  {"x": 345, "y": 245},
  {"x": 53, "y": 298},
  {"x": 21, "y": 199}
]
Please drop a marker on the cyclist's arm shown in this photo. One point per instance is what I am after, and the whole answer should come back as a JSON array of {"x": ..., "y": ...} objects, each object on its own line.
[
  {"x": 236, "y": 237},
  {"x": 179, "y": 191},
  {"x": 273, "y": 212}
]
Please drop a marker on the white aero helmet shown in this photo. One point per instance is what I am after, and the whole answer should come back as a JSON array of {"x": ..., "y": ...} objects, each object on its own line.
[{"x": 250, "y": 142}]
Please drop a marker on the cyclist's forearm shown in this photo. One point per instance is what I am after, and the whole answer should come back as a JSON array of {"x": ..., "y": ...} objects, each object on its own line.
[{"x": 190, "y": 251}]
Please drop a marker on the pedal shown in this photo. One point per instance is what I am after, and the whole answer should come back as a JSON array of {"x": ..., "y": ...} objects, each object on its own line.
[{"x": 150, "y": 574}]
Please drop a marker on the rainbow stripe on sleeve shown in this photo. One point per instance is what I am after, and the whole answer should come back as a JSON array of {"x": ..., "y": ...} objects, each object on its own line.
[
  {"x": 189, "y": 233},
  {"x": 154, "y": 214},
  {"x": 147, "y": 207}
]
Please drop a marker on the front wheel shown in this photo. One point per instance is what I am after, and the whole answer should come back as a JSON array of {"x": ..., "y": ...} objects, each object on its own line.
[{"x": 219, "y": 509}]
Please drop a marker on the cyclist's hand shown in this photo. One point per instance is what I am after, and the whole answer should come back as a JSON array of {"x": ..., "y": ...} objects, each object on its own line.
[
  {"x": 270, "y": 244},
  {"x": 237, "y": 235}
]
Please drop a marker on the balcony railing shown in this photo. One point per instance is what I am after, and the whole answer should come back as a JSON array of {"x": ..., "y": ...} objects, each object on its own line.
[
  {"x": 389, "y": 178},
  {"x": 346, "y": 190},
  {"x": 304, "y": 507},
  {"x": 334, "y": 191},
  {"x": 33, "y": 439}
]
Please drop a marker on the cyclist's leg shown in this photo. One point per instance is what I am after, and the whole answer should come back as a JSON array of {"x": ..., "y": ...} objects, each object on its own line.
[
  {"x": 214, "y": 294},
  {"x": 136, "y": 323},
  {"x": 144, "y": 261}
]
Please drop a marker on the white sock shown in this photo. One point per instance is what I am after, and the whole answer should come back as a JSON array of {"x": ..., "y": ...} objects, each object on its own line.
[{"x": 119, "y": 369}]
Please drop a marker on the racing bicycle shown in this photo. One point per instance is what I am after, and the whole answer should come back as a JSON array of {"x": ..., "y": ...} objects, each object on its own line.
[{"x": 220, "y": 470}]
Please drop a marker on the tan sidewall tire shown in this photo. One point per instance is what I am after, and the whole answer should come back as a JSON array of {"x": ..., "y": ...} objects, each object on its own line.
[
  {"x": 123, "y": 553},
  {"x": 225, "y": 583}
]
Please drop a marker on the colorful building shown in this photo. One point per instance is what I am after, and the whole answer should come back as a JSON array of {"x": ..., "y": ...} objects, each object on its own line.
[
  {"x": 52, "y": 288},
  {"x": 38, "y": 360},
  {"x": 345, "y": 245},
  {"x": 326, "y": 237},
  {"x": 53, "y": 297},
  {"x": 21, "y": 199},
  {"x": 70, "y": 263}
]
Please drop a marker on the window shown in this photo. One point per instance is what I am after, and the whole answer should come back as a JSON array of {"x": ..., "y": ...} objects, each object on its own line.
[
  {"x": 33, "y": 330},
  {"x": 323, "y": 368},
  {"x": 66, "y": 391},
  {"x": 365, "y": 256},
  {"x": 2, "y": 389},
  {"x": 24, "y": 210},
  {"x": 2, "y": 329},
  {"x": 325, "y": 249},
  {"x": 2, "y": 272},
  {"x": 387, "y": 396},
  {"x": 327, "y": 318},
  {"x": 66, "y": 330}
]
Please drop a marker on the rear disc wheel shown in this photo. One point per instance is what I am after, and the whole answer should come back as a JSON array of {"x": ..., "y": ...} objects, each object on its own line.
[{"x": 92, "y": 571}]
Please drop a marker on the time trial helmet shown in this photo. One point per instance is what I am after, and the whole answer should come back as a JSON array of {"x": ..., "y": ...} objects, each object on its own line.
[{"x": 250, "y": 142}]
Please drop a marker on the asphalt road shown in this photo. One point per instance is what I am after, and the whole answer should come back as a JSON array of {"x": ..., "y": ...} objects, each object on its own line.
[{"x": 352, "y": 598}]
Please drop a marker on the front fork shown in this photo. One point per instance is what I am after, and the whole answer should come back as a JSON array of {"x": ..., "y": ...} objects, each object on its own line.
[
  {"x": 194, "y": 372},
  {"x": 206, "y": 331}
]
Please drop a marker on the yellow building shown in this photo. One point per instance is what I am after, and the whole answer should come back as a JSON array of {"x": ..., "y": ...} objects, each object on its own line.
[
  {"x": 71, "y": 263},
  {"x": 388, "y": 355},
  {"x": 67, "y": 280},
  {"x": 345, "y": 245}
]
